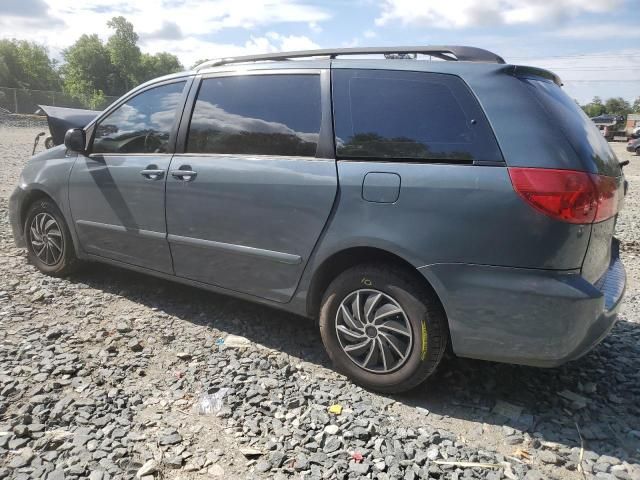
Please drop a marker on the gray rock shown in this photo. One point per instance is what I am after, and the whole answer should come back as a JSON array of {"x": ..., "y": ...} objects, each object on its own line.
[
  {"x": 359, "y": 468},
  {"x": 609, "y": 459},
  {"x": 135, "y": 345},
  {"x": 534, "y": 475},
  {"x": 332, "y": 444},
  {"x": 331, "y": 429},
  {"x": 513, "y": 440},
  {"x": 433, "y": 453},
  {"x": 173, "y": 461},
  {"x": 57, "y": 474},
  {"x": 263, "y": 466},
  {"x": 96, "y": 475},
  {"x": 149, "y": 468},
  {"x": 171, "y": 437},
  {"x": 276, "y": 459},
  {"x": 548, "y": 457},
  {"x": 301, "y": 462},
  {"x": 216, "y": 471},
  {"x": 123, "y": 327}
]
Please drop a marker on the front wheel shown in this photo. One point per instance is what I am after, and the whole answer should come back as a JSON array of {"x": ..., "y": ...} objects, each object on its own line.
[
  {"x": 48, "y": 240},
  {"x": 382, "y": 328}
]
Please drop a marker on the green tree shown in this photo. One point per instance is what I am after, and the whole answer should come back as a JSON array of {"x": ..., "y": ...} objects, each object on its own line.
[
  {"x": 27, "y": 65},
  {"x": 124, "y": 52},
  {"x": 617, "y": 106},
  {"x": 594, "y": 108},
  {"x": 87, "y": 68},
  {"x": 636, "y": 105},
  {"x": 152, "y": 66}
]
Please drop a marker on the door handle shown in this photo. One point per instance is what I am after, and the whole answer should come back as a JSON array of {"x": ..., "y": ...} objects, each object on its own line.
[
  {"x": 186, "y": 175},
  {"x": 152, "y": 173}
]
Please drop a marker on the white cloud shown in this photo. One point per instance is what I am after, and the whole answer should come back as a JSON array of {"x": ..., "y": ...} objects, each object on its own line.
[
  {"x": 193, "y": 20},
  {"x": 208, "y": 116},
  {"x": 472, "y": 13},
  {"x": 588, "y": 31},
  {"x": 314, "y": 27},
  {"x": 369, "y": 34}
]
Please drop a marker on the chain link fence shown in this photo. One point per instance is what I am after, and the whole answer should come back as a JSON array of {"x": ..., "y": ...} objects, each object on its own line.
[{"x": 23, "y": 101}]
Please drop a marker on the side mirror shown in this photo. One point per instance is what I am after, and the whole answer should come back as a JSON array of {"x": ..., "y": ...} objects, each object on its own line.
[{"x": 75, "y": 140}]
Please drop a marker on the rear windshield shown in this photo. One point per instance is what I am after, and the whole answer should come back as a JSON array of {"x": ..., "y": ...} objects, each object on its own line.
[{"x": 581, "y": 132}]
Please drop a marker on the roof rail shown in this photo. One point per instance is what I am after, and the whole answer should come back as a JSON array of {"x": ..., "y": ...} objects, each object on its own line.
[{"x": 444, "y": 52}]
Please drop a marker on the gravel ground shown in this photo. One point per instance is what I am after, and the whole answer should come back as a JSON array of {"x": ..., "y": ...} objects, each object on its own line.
[{"x": 102, "y": 373}]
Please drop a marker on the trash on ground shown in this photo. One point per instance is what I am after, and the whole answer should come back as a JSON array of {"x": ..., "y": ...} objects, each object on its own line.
[
  {"x": 335, "y": 409},
  {"x": 357, "y": 457},
  {"x": 212, "y": 403},
  {"x": 236, "y": 341}
]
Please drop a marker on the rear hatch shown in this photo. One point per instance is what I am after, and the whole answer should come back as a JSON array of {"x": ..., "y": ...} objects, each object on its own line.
[{"x": 599, "y": 164}]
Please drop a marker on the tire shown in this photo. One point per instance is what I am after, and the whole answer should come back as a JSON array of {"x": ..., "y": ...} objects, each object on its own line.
[
  {"x": 421, "y": 314},
  {"x": 638, "y": 151},
  {"x": 49, "y": 244}
]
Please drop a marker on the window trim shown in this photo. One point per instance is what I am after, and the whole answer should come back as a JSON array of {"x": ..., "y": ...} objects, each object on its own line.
[
  {"x": 325, "y": 148},
  {"x": 90, "y": 129}
]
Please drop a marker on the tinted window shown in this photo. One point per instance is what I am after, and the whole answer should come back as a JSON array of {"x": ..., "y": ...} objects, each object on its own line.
[
  {"x": 257, "y": 114},
  {"x": 142, "y": 124},
  {"x": 409, "y": 115},
  {"x": 584, "y": 136}
]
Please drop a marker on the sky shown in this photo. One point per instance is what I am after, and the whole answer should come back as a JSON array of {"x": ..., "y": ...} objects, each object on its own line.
[{"x": 593, "y": 45}]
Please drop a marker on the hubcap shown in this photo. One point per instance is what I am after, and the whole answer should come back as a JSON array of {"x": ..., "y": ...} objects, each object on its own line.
[
  {"x": 46, "y": 239},
  {"x": 373, "y": 331}
]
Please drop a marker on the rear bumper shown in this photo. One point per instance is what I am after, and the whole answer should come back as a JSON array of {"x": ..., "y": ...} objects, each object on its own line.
[
  {"x": 15, "y": 206},
  {"x": 525, "y": 316}
]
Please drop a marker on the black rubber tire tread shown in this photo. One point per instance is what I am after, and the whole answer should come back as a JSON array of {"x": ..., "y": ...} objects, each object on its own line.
[
  {"x": 422, "y": 308},
  {"x": 69, "y": 262}
]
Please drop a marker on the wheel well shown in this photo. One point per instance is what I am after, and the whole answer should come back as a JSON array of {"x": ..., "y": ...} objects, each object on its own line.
[
  {"x": 32, "y": 196},
  {"x": 345, "y": 259}
]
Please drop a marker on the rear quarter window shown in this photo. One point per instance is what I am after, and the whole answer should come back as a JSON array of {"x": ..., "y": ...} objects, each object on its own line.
[
  {"x": 394, "y": 115},
  {"x": 583, "y": 135}
]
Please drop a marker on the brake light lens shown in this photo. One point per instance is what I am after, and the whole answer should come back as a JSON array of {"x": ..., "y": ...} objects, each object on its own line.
[{"x": 567, "y": 195}]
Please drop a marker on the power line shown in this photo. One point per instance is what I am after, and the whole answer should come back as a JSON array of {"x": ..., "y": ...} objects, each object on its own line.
[
  {"x": 582, "y": 55},
  {"x": 564, "y": 80},
  {"x": 596, "y": 69}
]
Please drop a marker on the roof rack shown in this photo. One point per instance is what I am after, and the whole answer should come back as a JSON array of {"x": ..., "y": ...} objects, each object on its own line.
[{"x": 445, "y": 52}]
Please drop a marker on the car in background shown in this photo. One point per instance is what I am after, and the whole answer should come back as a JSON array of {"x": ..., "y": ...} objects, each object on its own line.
[{"x": 634, "y": 146}]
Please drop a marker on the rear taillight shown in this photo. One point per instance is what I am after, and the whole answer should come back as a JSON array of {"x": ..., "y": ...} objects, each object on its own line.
[{"x": 567, "y": 195}]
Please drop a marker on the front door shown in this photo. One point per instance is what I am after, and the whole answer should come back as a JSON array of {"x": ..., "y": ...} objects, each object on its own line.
[
  {"x": 249, "y": 198},
  {"x": 116, "y": 192}
]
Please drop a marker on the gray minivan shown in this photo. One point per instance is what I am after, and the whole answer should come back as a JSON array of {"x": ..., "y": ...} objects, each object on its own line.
[{"x": 406, "y": 204}]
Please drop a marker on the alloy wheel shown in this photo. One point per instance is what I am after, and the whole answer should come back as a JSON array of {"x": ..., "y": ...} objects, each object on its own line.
[
  {"x": 46, "y": 239},
  {"x": 373, "y": 331}
]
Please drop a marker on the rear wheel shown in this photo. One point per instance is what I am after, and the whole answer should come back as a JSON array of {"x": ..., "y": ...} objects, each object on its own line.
[
  {"x": 382, "y": 329},
  {"x": 48, "y": 240}
]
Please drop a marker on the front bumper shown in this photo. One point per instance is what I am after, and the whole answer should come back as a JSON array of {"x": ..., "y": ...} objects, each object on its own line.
[
  {"x": 526, "y": 316},
  {"x": 15, "y": 207},
  {"x": 631, "y": 148}
]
